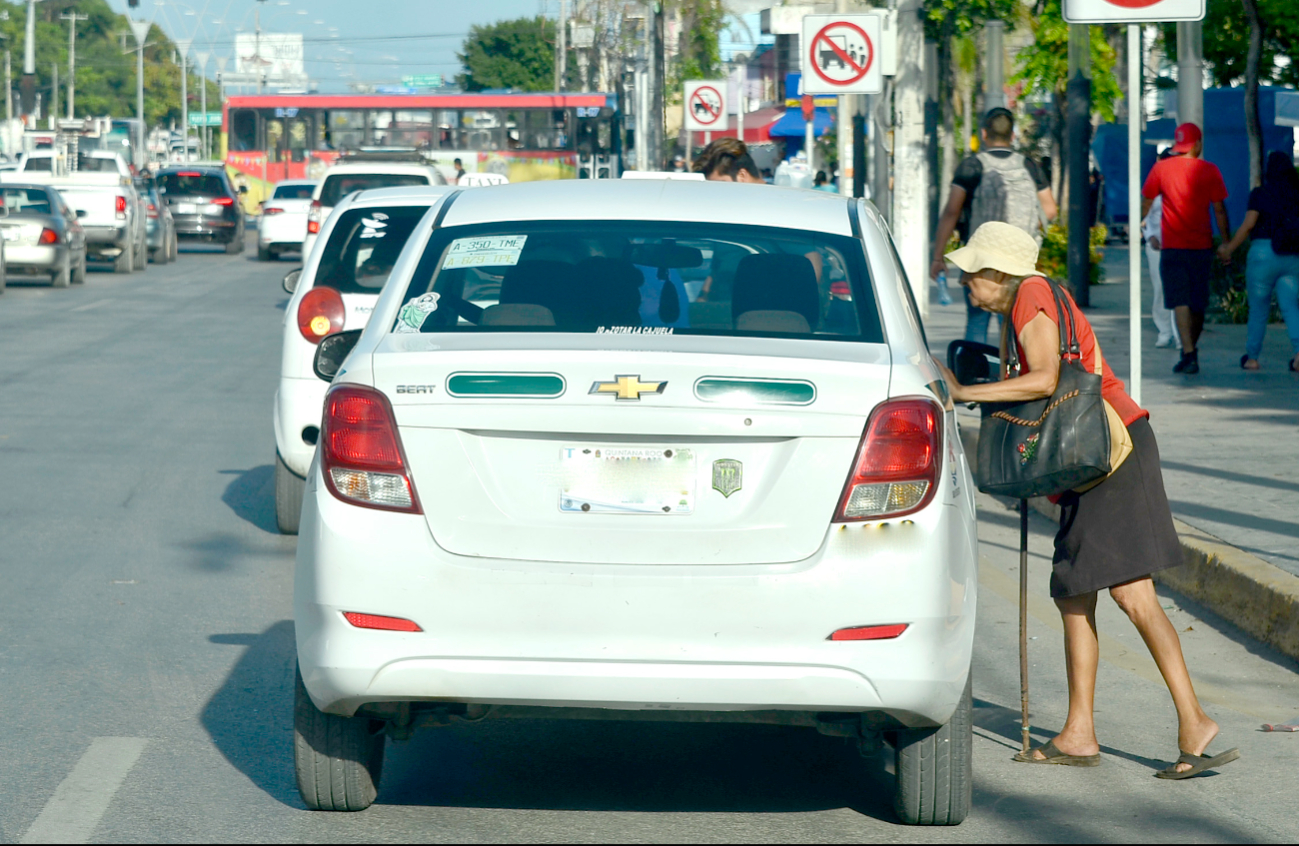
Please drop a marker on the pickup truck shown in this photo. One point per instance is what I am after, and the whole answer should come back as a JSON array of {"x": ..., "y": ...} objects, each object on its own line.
[{"x": 115, "y": 226}]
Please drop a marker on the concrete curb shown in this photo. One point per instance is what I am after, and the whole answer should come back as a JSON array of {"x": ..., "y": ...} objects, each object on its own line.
[{"x": 1257, "y": 597}]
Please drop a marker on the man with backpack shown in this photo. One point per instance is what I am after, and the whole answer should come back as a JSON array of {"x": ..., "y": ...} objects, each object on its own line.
[{"x": 997, "y": 183}]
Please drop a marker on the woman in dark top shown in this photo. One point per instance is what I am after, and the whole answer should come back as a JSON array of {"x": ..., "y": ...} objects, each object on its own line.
[{"x": 1272, "y": 208}]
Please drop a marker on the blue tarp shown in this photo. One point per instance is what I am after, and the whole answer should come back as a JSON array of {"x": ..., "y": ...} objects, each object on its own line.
[{"x": 792, "y": 125}]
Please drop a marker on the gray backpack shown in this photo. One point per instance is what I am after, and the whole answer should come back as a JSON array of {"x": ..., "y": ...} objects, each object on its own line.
[{"x": 1007, "y": 193}]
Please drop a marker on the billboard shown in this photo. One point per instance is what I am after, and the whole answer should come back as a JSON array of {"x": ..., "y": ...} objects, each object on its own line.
[{"x": 276, "y": 55}]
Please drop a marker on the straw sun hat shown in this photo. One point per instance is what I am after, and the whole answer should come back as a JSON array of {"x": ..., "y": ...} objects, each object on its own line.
[{"x": 998, "y": 246}]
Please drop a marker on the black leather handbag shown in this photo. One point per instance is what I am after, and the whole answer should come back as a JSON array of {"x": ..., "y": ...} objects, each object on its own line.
[{"x": 1052, "y": 445}]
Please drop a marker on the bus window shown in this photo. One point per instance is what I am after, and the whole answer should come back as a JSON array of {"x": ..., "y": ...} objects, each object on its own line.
[
  {"x": 346, "y": 129},
  {"x": 412, "y": 129},
  {"x": 380, "y": 127},
  {"x": 274, "y": 139},
  {"x": 298, "y": 135},
  {"x": 243, "y": 130}
]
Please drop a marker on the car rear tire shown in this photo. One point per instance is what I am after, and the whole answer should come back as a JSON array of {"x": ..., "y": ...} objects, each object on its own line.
[
  {"x": 141, "y": 255},
  {"x": 265, "y": 254},
  {"x": 124, "y": 261},
  {"x": 289, "y": 490},
  {"x": 234, "y": 247},
  {"x": 934, "y": 769},
  {"x": 173, "y": 247},
  {"x": 79, "y": 272},
  {"x": 62, "y": 277},
  {"x": 338, "y": 760}
]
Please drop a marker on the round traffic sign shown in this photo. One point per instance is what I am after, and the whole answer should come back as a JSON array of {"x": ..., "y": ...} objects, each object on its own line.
[
  {"x": 706, "y": 105},
  {"x": 841, "y": 53},
  {"x": 1132, "y": 4}
]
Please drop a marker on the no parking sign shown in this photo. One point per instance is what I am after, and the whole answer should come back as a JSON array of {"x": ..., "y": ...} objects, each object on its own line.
[
  {"x": 841, "y": 54},
  {"x": 705, "y": 102},
  {"x": 1132, "y": 11}
]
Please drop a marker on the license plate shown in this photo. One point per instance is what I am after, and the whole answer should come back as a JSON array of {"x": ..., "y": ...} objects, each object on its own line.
[
  {"x": 11, "y": 234},
  {"x": 186, "y": 208},
  {"x": 627, "y": 480}
]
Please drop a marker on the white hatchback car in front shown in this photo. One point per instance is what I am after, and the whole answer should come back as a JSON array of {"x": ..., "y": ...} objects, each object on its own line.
[
  {"x": 361, "y": 174},
  {"x": 549, "y": 485},
  {"x": 335, "y": 291},
  {"x": 282, "y": 227}
]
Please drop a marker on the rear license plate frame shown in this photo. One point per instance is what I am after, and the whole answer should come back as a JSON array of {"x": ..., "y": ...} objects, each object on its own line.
[{"x": 644, "y": 481}]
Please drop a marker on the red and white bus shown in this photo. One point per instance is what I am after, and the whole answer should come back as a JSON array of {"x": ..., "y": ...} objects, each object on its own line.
[{"x": 272, "y": 137}]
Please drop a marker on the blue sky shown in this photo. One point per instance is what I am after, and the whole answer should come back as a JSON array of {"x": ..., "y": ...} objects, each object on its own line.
[{"x": 374, "y": 41}]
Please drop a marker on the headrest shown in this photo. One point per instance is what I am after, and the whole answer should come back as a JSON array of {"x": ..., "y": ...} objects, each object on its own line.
[
  {"x": 790, "y": 322},
  {"x": 516, "y": 314},
  {"x": 536, "y": 282},
  {"x": 609, "y": 290},
  {"x": 776, "y": 282}
]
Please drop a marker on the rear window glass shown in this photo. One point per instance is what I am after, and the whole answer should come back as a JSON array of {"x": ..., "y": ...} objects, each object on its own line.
[
  {"x": 294, "y": 192},
  {"x": 192, "y": 183},
  {"x": 364, "y": 246},
  {"x": 338, "y": 186},
  {"x": 39, "y": 163},
  {"x": 642, "y": 278},
  {"x": 30, "y": 200},
  {"x": 91, "y": 164}
]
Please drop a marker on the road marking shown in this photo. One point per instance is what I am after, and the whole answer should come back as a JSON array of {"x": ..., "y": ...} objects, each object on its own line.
[
  {"x": 88, "y": 306},
  {"x": 80, "y": 801}
]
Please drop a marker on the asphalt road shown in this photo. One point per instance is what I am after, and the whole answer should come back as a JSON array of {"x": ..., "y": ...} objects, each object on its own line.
[{"x": 146, "y": 642}]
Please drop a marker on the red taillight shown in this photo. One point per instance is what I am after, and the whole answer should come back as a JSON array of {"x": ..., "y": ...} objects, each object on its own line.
[
  {"x": 841, "y": 290},
  {"x": 223, "y": 201},
  {"x": 321, "y": 313},
  {"x": 48, "y": 236},
  {"x": 869, "y": 632},
  {"x": 121, "y": 204},
  {"x": 191, "y": 173},
  {"x": 896, "y": 471},
  {"x": 378, "y": 621},
  {"x": 313, "y": 218},
  {"x": 313, "y": 226},
  {"x": 153, "y": 210},
  {"x": 272, "y": 210},
  {"x": 360, "y": 453}
]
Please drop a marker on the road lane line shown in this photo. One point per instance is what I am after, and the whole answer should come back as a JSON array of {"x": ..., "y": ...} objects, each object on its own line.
[
  {"x": 88, "y": 306},
  {"x": 80, "y": 801}
]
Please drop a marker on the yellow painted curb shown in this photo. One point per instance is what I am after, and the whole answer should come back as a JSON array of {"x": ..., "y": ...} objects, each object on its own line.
[{"x": 1257, "y": 597}]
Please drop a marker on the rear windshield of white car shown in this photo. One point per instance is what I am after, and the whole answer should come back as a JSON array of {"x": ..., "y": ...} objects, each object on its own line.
[
  {"x": 339, "y": 185},
  {"x": 39, "y": 163},
  {"x": 364, "y": 246},
  {"x": 92, "y": 164},
  {"x": 183, "y": 183},
  {"x": 294, "y": 192},
  {"x": 29, "y": 200},
  {"x": 642, "y": 278}
]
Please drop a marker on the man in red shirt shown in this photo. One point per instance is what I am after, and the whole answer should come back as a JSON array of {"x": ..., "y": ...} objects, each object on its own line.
[{"x": 1191, "y": 187}]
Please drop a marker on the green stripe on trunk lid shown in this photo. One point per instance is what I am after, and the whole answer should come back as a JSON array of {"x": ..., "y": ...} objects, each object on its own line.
[
  {"x": 544, "y": 385},
  {"x": 762, "y": 391}
]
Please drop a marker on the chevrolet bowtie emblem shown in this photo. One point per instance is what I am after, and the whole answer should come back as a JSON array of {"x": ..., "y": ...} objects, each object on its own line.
[{"x": 627, "y": 387}]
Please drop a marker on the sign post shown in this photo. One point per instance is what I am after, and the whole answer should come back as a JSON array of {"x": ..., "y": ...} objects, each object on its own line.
[{"x": 1134, "y": 13}]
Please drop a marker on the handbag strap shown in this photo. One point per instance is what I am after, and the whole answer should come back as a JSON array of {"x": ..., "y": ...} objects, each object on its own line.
[{"x": 1064, "y": 319}]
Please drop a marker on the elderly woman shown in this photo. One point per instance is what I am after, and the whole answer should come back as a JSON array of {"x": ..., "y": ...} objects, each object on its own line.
[{"x": 1115, "y": 534}]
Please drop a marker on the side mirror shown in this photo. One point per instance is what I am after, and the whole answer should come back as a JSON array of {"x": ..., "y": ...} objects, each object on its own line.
[
  {"x": 332, "y": 352},
  {"x": 82, "y": 213},
  {"x": 973, "y": 363},
  {"x": 291, "y": 280}
]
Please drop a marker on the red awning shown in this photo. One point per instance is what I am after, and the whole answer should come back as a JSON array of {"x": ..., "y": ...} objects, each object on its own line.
[{"x": 756, "y": 125}]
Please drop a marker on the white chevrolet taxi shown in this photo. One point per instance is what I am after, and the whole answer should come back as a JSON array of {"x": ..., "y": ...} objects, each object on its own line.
[
  {"x": 669, "y": 450},
  {"x": 334, "y": 291}
]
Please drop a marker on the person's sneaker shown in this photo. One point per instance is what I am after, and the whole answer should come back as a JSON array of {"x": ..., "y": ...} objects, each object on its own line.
[
  {"x": 1166, "y": 343},
  {"x": 1190, "y": 363}
]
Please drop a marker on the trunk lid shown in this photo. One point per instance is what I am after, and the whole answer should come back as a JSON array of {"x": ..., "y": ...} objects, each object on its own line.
[{"x": 725, "y": 459}]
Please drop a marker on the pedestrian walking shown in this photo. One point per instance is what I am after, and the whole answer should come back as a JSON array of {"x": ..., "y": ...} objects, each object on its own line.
[
  {"x": 822, "y": 183},
  {"x": 460, "y": 170},
  {"x": 1272, "y": 224},
  {"x": 1158, "y": 311},
  {"x": 1113, "y": 535},
  {"x": 997, "y": 183},
  {"x": 1191, "y": 189}
]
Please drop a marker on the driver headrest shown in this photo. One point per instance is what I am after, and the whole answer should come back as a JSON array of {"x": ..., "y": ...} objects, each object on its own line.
[{"x": 776, "y": 282}]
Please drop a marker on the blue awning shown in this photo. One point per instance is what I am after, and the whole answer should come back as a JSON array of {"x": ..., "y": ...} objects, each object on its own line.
[{"x": 792, "y": 125}]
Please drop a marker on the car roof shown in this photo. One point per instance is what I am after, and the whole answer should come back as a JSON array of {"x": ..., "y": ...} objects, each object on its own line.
[
  {"x": 297, "y": 182},
  {"x": 379, "y": 167},
  {"x": 666, "y": 200},
  {"x": 408, "y": 195},
  {"x": 174, "y": 168}
]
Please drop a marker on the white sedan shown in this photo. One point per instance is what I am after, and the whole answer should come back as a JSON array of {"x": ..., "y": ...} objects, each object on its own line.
[
  {"x": 282, "y": 227},
  {"x": 551, "y": 482}
]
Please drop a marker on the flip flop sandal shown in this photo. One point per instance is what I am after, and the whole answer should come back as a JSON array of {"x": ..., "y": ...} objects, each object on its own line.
[
  {"x": 1055, "y": 756},
  {"x": 1198, "y": 763}
]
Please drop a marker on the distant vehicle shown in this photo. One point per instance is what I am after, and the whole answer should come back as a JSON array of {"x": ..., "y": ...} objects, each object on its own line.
[
  {"x": 282, "y": 226},
  {"x": 594, "y": 498},
  {"x": 334, "y": 291},
  {"x": 42, "y": 234},
  {"x": 161, "y": 229},
  {"x": 346, "y": 178},
  {"x": 204, "y": 204}
]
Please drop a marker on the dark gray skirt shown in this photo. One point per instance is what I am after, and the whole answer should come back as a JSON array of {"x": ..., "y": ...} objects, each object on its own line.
[{"x": 1119, "y": 531}]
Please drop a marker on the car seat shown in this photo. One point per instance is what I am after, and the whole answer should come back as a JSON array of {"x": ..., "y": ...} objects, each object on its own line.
[{"x": 775, "y": 292}]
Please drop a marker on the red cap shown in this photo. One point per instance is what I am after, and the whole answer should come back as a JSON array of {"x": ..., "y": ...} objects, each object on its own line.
[{"x": 1186, "y": 137}]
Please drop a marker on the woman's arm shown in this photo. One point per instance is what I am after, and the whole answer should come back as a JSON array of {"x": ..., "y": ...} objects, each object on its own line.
[
  {"x": 1246, "y": 226},
  {"x": 1041, "y": 342}
]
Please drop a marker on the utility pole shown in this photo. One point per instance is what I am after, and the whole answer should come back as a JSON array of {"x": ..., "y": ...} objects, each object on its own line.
[
  {"x": 140, "y": 29},
  {"x": 561, "y": 47},
  {"x": 54, "y": 94},
  {"x": 28, "y": 85},
  {"x": 1078, "y": 125},
  {"x": 9, "y": 89},
  {"x": 1190, "y": 73},
  {"x": 203, "y": 56},
  {"x": 910, "y": 162},
  {"x": 257, "y": 50},
  {"x": 183, "y": 45},
  {"x": 72, "y": 18}
]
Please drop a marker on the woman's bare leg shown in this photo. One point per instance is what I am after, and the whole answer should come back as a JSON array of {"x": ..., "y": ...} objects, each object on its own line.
[
  {"x": 1081, "y": 655},
  {"x": 1140, "y": 602}
]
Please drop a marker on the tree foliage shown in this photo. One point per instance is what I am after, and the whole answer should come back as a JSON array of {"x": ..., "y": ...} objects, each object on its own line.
[
  {"x": 1226, "y": 41},
  {"x": 517, "y": 53},
  {"x": 1044, "y": 64},
  {"x": 699, "y": 54}
]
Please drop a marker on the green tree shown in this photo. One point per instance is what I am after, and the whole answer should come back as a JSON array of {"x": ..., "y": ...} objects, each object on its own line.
[
  {"x": 1226, "y": 41},
  {"x": 699, "y": 54},
  {"x": 516, "y": 53}
]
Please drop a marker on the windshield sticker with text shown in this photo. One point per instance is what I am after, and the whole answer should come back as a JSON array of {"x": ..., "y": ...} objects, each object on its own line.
[
  {"x": 634, "y": 330},
  {"x": 495, "y": 251}
]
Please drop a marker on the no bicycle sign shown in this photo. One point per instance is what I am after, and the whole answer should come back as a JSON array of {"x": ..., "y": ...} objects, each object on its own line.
[
  {"x": 706, "y": 106},
  {"x": 1132, "y": 11},
  {"x": 841, "y": 54}
]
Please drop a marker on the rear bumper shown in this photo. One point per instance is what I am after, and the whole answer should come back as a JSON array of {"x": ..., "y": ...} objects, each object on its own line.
[
  {"x": 211, "y": 228},
  {"x": 43, "y": 259},
  {"x": 107, "y": 236},
  {"x": 651, "y": 638}
]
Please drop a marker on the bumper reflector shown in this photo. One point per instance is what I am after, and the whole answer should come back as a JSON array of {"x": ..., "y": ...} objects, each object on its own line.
[
  {"x": 378, "y": 488},
  {"x": 870, "y": 632},
  {"x": 378, "y": 621}
]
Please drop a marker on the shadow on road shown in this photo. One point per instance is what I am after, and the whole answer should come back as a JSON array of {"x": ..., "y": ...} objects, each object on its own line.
[{"x": 251, "y": 495}]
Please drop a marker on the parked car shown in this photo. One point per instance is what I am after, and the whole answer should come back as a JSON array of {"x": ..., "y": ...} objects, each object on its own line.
[
  {"x": 42, "y": 234},
  {"x": 205, "y": 205},
  {"x": 282, "y": 227},
  {"x": 590, "y": 495},
  {"x": 161, "y": 227},
  {"x": 362, "y": 173},
  {"x": 338, "y": 285}
]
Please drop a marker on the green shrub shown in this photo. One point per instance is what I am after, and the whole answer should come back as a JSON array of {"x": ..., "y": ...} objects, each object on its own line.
[
  {"x": 1228, "y": 302},
  {"x": 1053, "y": 259}
]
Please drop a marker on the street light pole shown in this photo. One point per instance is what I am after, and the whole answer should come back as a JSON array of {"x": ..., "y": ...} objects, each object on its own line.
[
  {"x": 203, "y": 56},
  {"x": 72, "y": 18},
  {"x": 140, "y": 29},
  {"x": 183, "y": 45},
  {"x": 28, "y": 86}
]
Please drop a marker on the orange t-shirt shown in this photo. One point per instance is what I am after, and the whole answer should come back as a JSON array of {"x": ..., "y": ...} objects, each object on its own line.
[{"x": 1034, "y": 296}]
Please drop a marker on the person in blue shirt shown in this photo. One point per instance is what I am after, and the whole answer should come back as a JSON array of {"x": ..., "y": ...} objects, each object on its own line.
[{"x": 822, "y": 183}]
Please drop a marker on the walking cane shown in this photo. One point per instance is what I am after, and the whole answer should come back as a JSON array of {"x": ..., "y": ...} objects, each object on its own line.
[{"x": 1023, "y": 620}]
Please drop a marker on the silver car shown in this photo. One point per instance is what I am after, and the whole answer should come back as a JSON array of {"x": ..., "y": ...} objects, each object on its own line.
[{"x": 42, "y": 235}]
